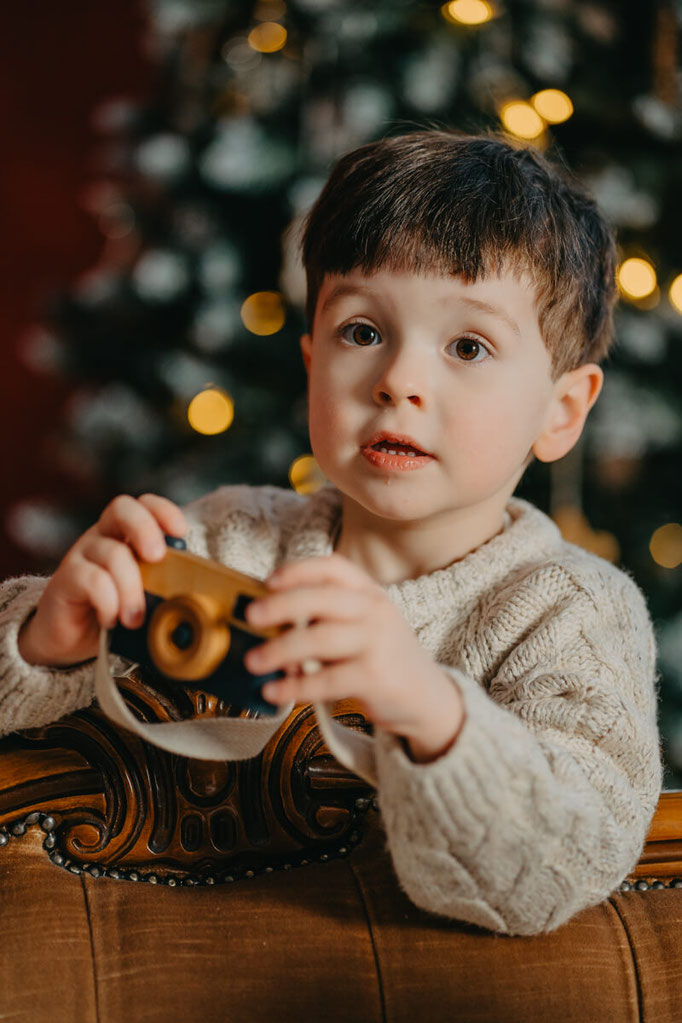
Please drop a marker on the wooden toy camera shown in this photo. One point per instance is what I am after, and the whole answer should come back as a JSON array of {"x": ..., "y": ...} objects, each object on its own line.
[{"x": 195, "y": 631}]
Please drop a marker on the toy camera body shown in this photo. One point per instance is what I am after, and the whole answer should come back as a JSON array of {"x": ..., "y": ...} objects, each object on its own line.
[{"x": 195, "y": 631}]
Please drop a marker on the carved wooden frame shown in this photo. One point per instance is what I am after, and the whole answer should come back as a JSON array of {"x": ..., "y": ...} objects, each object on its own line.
[{"x": 114, "y": 805}]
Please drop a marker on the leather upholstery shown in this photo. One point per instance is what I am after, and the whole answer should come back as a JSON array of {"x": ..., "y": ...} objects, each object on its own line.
[
  {"x": 336, "y": 941},
  {"x": 161, "y": 939}
]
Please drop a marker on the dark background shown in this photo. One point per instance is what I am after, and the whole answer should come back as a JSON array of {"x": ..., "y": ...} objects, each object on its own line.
[
  {"x": 57, "y": 61},
  {"x": 105, "y": 293}
]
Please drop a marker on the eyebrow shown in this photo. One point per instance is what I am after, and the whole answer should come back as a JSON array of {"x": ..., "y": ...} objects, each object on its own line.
[
  {"x": 492, "y": 310},
  {"x": 342, "y": 290}
]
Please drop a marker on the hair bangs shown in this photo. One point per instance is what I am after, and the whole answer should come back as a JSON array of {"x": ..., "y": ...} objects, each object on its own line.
[{"x": 456, "y": 205}]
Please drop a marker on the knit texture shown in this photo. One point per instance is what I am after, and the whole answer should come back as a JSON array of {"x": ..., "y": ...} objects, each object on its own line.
[
  {"x": 542, "y": 805},
  {"x": 31, "y": 696}
]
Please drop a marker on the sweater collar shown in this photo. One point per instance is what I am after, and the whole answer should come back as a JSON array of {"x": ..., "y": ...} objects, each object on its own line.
[{"x": 528, "y": 538}]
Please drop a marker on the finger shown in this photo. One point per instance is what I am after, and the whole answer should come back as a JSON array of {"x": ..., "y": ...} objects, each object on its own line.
[
  {"x": 316, "y": 571},
  {"x": 323, "y": 642},
  {"x": 333, "y": 682},
  {"x": 117, "y": 559},
  {"x": 130, "y": 520},
  {"x": 307, "y": 604},
  {"x": 171, "y": 518},
  {"x": 92, "y": 585}
]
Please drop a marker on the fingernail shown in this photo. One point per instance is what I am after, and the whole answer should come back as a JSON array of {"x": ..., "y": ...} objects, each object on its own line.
[
  {"x": 253, "y": 611},
  {"x": 251, "y": 663}
]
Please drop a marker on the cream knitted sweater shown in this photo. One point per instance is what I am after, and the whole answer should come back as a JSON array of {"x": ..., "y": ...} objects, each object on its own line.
[{"x": 542, "y": 805}]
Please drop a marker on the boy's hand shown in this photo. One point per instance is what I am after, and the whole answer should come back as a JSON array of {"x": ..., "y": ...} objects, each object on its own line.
[
  {"x": 366, "y": 649},
  {"x": 98, "y": 582}
]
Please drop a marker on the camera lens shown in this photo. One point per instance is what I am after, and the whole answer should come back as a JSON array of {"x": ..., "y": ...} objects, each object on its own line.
[
  {"x": 188, "y": 637},
  {"x": 183, "y": 636}
]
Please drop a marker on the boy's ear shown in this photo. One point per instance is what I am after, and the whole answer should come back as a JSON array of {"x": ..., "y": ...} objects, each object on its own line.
[
  {"x": 575, "y": 392},
  {"x": 306, "y": 346}
]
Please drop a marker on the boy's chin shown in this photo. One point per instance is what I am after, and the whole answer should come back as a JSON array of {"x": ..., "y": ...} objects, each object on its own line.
[
  {"x": 388, "y": 501},
  {"x": 390, "y": 505}
]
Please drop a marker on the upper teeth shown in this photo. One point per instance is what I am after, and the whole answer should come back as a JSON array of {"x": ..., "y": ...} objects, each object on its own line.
[{"x": 391, "y": 451}]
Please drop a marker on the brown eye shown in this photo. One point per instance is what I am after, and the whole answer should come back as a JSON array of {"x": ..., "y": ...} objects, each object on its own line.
[
  {"x": 468, "y": 349},
  {"x": 363, "y": 334}
]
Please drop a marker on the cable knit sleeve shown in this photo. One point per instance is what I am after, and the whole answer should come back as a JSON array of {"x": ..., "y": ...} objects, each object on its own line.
[
  {"x": 239, "y": 525},
  {"x": 542, "y": 805},
  {"x": 33, "y": 695}
]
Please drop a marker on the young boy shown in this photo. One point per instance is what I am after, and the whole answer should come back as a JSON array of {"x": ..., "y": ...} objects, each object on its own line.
[{"x": 459, "y": 298}]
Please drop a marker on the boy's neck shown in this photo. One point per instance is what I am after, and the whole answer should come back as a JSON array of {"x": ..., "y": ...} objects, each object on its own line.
[{"x": 391, "y": 552}]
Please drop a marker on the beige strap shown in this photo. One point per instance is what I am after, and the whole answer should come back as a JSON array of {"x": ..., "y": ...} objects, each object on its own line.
[
  {"x": 228, "y": 738},
  {"x": 355, "y": 750}
]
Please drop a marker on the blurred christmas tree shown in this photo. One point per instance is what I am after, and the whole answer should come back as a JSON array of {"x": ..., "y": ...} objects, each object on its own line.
[{"x": 184, "y": 338}]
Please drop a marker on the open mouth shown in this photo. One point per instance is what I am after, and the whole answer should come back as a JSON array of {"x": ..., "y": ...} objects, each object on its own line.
[
  {"x": 390, "y": 453},
  {"x": 393, "y": 448}
]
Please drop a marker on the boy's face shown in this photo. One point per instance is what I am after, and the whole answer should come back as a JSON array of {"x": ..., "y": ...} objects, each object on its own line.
[{"x": 426, "y": 394}]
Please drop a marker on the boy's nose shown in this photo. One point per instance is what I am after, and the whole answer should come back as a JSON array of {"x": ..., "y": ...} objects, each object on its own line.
[
  {"x": 389, "y": 398},
  {"x": 398, "y": 382}
]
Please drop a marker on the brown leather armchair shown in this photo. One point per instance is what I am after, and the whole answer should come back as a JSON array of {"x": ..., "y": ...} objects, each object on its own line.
[{"x": 137, "y": 885}]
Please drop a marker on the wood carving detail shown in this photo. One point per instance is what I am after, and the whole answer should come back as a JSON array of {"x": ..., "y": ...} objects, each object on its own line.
[{"x": 120, "y": 802}]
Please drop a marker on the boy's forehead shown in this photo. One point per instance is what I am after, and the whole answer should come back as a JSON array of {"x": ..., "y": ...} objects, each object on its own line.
[{"x": 442, "y": 288}]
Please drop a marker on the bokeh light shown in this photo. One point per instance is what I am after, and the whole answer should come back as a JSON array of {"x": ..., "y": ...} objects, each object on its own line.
[
  {"x": 268, "y": 37},
  {"x": 210, "y": 411},
  {"x": 263, "y": 312},
  {"x": 636, "y": 278},
  {"x": 553, "y": 105},
  {"x": 305, "y": 475},
  {"x": 521, "y": 119},
  {"x": 675, "y": 293},
  {"x": 666, "y": 545},
  {"x": 468, "y": 12}
]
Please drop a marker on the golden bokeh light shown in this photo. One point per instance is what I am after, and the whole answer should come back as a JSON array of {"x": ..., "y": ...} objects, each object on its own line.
[
  {"x": 636, "y": 278},
  {"x": 666, "y": 545},
  {"x": 305, "y": 475},
  {"x": 553, "y": 105},
  {"x": 210, "y": 411},
  {"x": 521, "y": 119},
  {"x": 468, "y": 12},
  {"x": 263, "y": 312},
  {"x": 268, "y": 37},
  {"x": 675, "y": 293},
  {"x": 575, "y": 528}
]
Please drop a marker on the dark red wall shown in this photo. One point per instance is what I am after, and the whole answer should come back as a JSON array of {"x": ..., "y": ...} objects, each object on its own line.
[{"x": 57, "y": 62}]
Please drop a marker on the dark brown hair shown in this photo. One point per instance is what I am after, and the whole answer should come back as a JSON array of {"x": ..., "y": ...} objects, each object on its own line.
[{"x": 441, "y": 202}]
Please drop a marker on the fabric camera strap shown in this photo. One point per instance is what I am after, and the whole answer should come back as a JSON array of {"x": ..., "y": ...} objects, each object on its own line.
[{"x": 228, "y": 738}]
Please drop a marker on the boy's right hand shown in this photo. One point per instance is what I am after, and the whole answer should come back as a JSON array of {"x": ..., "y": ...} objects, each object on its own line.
[{"x": 98, "y": 582}]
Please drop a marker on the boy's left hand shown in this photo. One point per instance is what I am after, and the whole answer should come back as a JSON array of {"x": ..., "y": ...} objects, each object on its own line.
[{"x": 367, "y": 651}]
